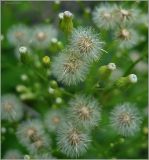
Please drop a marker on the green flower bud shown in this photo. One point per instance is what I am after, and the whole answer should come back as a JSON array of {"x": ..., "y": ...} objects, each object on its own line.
[
  {"x": 27, "y": 96},
  {"x": 53, "y": 84},
  {"x": 125, "y": 81},
  {"x": 46, "y": 60},
  {"x": 58, "y": 100},
  {"x": 21, "y": 88},
  {"x": 55, "y": 45},
  {"x": 106, "y": 70},
  {"x": 24, "y": 55},
  {"x": 27, "y": 157},
  {"x": 65, "y": 22}
]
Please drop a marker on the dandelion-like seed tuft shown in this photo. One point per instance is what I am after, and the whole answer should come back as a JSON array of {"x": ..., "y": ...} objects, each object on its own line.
[
  {"x": 85, "y": 111},
  {"x": 11, "y": 108},
  {"x": 125, "y": 119},
  {"x": 42, "y": 36},
  {"x": 103, "y": 17},
  {"x": 53, "y": 119},
  {"x": 72, "y": 141},
  {"x": 87, "y": 43},
  {"x": 69, "y": 68}
]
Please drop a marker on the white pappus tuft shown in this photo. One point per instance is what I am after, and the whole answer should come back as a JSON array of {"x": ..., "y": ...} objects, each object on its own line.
[
  {"x": 87, "y": 43},
  {"x": 72, "y": 141},
  {"x": 11, "y": 108},
  {"x": 127, "y": 38},
  {"x": 19, "y": 35},
  {"x": 103, "y": 16},
  {"x": 69, "y": 68},
  {"x": 53, "y": 119},
  {"x": 42, "y": 36},
  {"x": 127, "y": 16},
  {"x": 125, "y": 119},
  {"x": 13, "y": 154},
  {"x": 84, "y": 111},
  {"x": 32, "y": 135}
]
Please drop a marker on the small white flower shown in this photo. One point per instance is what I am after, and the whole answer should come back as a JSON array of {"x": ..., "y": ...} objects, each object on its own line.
[
  {"x": 61, "y": 15},
  {"x": 54, "y": 40},
  {"x": 24, "y": 77},
  {"x": 112, "y": 66},
  {"x": 133, "y": 78},
  {"x": 59, "y": 100},
  {"x": 27, "y": 157},
  {"x": 68, "y": 14},
  {"x": 50, "y": 90},
  {"x": 23, "y": 49}
]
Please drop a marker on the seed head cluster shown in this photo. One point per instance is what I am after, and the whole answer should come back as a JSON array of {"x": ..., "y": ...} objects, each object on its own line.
[{"x": 72, "y": 64}]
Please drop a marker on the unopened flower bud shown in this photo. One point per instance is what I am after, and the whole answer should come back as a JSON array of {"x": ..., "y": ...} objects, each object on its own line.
[
  {"x": 53, "y": 84},
  {"x": 66, "y": 23},
  {"x": 58, "y": 100},
  {"x": 46, "y": 60},
  {"x": 106, "y": 70},
  {"x": 27, "y": 96},
  {"x": 24, "y": 56},
  {"x": 21, "y": 88},
  {"x": 24, "y": 77},
  {"x": 125, "y": 81}
]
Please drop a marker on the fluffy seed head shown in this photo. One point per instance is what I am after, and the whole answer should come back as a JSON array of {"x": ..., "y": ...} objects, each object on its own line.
[
  {"x": 42, "y": 36},
  {"x": 127, "y": 38},
  {"x": 13, "y": 154},
  {"x": 87, "y": 43},
  {"x": 11, "y": 108},
  {"x": 69, "y": 68},
  {"x": 53, "y": 119},
  {"x": 103, "y": 17},
  {"x": 125, "y": 119},
  {"x": 71, "y": 140},
  {"x": 19, "y": 35},
  {"x": 85, "y": 111},
  {"x": 31, "y": 134}
]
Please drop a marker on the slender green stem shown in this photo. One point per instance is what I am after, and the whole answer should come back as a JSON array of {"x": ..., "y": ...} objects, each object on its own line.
[{"x": 133, "y": 64}]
